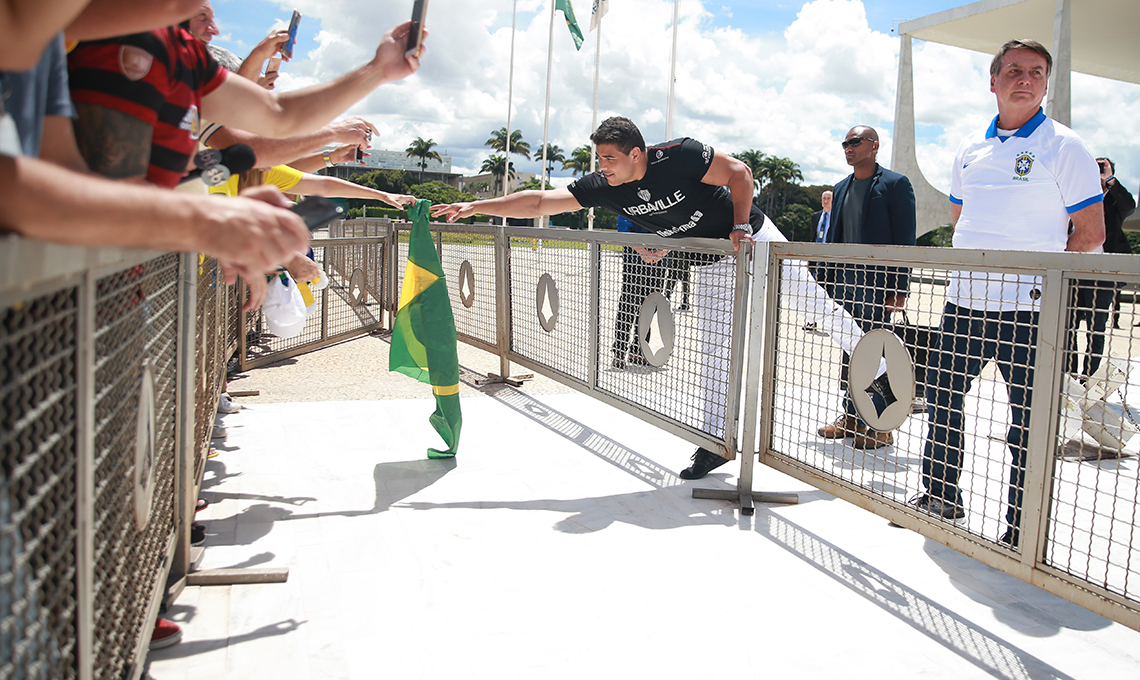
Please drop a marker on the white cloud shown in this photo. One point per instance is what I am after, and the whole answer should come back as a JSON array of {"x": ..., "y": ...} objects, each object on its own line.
[{"x": 793, "y": 95}]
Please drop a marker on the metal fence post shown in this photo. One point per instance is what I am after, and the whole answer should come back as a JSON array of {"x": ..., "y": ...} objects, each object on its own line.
[
  {"x": 185, "y": 447},
  {"x": 85, "y": 479}
]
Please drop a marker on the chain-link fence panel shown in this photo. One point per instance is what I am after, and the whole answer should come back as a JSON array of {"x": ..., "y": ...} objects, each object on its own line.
[
  {"x": 38, "y": 608},
  {"x": 136, "y": 345}
]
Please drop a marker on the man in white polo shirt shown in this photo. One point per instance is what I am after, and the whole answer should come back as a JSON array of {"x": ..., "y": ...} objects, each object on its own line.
[{"x": 1016, "y": 184}]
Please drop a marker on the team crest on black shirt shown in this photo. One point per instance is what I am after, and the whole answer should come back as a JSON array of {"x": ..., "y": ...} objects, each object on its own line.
[
  {"x": 644, "y": 194},
  {"x": 1023, "y": 164}
]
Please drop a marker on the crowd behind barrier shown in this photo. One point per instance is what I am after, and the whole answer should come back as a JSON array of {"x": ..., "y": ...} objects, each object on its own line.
[{"x": 113, "y": 362}]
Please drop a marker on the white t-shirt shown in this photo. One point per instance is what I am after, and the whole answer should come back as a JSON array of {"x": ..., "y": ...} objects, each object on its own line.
[{"x": 1017, "y": 193}]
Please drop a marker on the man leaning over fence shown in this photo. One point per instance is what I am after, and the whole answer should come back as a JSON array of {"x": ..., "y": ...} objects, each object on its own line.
[
  {"x": 678, "y": 189},
  {"x": 1015, "y": 185}
]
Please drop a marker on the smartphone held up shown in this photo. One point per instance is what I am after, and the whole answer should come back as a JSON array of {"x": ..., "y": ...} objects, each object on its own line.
[{"x": 416, "y": 32}]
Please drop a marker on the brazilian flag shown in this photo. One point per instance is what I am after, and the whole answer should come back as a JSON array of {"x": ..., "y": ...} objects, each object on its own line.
[
  {"x": 571, "y": 21},
  {"x": 424, "y": 340}
]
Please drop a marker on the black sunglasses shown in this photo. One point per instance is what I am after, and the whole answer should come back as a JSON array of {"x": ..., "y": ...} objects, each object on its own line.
[{"x": 854, "y": 141}]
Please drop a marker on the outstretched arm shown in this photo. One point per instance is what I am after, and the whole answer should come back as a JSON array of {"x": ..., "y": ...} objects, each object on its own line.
[
  {"x": 28, "y": 26},
  {"x": 109, "y": 18},
  {"x": 522, "y": 204},
  {"x": 319, "y": 185},
  {"x": 271, "y": 152},
  {"x": 243, "y": 104}
]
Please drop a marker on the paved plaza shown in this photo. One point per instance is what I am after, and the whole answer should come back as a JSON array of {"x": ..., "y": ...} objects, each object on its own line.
[{"x": 561, "y": 544}]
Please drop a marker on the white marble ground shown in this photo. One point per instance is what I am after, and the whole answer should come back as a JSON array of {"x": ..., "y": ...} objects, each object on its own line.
[{"x": 561, "y": 544}]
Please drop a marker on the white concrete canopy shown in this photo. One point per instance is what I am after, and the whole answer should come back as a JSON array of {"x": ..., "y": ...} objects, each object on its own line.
[{"x": 1104, "y": 32}]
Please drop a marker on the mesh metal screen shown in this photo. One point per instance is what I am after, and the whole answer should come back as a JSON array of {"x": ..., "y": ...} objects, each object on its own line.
[
  {"x": 351, "y": 304},
  {"x": 563, "y": 304},
  {"x": 37, "y": 487},
  {"x": 959, "y": 461},
  {"x": 691, "y": 386},
  {"x": 1094, "y": 521},
  {"x": 468, "y": 261},
  {"x": 136, "y": 324}
]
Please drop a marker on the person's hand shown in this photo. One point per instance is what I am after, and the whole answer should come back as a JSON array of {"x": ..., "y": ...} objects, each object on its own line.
[
  {"x": 398, "y": 200},
  {"x": 454, "y": 211},
  {"x": 345, "y": 153},
  {"x": 269, "y": 46},
  {"x": 651, "y": 255},
  {"x": 269, "y": 80},
  {"x": 737, "y": 236},
  {"x": 303, "y": 269},
  {"x": 895, "y": 303},
  {"x": 250, "y": 234},
  {"x": 355, "y": 131},
  {"x": 391, "y": 57},
  {"x": 258, "y": 288}
]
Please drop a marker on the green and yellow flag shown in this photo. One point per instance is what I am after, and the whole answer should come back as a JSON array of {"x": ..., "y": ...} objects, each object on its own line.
[
  {"x": 568, "y": 12},
  {"x": 424, "y": 340}
]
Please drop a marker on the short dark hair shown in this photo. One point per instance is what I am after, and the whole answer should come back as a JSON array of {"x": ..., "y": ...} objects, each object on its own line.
[
  {"x": 1021, "y": 44},
  {"x": 619, "y": 131}
]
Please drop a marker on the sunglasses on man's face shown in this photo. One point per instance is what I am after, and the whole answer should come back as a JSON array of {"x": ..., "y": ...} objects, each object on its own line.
[{"x": 854, "y": 141}]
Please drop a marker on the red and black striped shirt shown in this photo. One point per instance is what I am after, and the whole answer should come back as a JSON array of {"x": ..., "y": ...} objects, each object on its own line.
[{"x": 159, "y": 77}]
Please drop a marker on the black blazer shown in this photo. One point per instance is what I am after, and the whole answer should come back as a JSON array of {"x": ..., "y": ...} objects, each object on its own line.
[
  {"x": 888, "y": 218},
  {"x": 1118, "y": 205}
]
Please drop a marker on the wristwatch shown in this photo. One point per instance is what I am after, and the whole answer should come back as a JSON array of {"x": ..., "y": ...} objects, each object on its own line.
[
  {"x": 742, "y": 227},
  {"x": 328, "y": 160}
]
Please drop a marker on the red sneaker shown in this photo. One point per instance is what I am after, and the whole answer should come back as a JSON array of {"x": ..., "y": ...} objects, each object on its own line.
[{"x": 165, "y": 633}]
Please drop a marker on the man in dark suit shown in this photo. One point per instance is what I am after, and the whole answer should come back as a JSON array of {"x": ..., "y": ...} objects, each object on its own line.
[{"x": 871, "y": 205}]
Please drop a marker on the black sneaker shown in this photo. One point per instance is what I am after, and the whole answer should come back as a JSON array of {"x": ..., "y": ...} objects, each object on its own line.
[
  {"x": 197, "y": 534},
  {"x": 704, "y": 462},
  {"x": 937, "y": 506},
  {"x": 1011, "y": 537}
]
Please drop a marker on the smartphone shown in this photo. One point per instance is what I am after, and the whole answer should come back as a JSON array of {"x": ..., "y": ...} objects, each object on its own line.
[
  {"x": 1103, "y": 166},
  {"x": 416, "y": 33},
  {"x": 359, "y": 155},
  {"x": 287, "y": 51},
  {"x": 318, "y": 211},
  {"x": 273, "y": 66}
]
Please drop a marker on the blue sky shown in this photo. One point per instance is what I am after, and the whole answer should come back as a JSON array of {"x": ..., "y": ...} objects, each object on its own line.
[{"x": 780, "y": 76}]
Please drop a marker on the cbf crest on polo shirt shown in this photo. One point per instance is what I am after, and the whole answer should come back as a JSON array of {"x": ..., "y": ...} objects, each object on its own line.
[{"x": 1023, "y": 164}]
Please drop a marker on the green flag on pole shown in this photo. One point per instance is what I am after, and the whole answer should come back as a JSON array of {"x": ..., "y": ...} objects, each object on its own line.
[
  {"x": 568, "y": 11},
  {"x": 424, "y": 340}
]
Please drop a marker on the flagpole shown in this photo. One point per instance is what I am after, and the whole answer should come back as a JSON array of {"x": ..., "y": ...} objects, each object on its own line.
[
  {"x": 594, "y": 121},
  {"x": 672, "y": 75},
  {"x": 510, "y": 103},
  {"x": 546, "y": 118}
]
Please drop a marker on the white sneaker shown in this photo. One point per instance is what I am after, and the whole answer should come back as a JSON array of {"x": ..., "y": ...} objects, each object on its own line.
[
  {"x": 219, "y": 432},
  {"x": 227, "y": 405}
]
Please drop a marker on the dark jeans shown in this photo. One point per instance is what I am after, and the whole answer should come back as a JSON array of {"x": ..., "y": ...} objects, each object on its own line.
[
  {"x": 968, "y": 339},
  {"x": 678, "y": 271},
  {"x": 867, "y": 306},
  {"x": 638, "y": 281},
  {"x": 1093, "y": 301}
]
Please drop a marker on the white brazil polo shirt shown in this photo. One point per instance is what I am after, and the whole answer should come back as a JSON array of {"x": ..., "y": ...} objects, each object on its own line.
[{"x": 1017, "y": 193}]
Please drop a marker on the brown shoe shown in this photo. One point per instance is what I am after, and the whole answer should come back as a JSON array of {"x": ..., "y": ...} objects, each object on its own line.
[
  {"x": 869, "y": 439},
  {"x": 844, "y": 426}
]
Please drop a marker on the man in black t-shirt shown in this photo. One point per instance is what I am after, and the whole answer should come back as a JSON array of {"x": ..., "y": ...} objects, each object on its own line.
[{"x": 679, "y": 189}]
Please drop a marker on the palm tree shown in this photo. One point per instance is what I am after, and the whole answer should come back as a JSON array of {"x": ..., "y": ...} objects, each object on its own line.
[
  {"x": 518, "y": 146},
  {"x": 779, "y": 172},
  {"x": 422, "y": 149},
  {"x": 496, "y": 165},
  {"x": 553, "y": 154},
  {"x": 579, "y": 160}
]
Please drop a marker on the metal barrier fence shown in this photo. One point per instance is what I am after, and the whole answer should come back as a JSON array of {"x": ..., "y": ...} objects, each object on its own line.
[
  {"x": 103, "y": 357},
  {"x": 573, "y": 306},
  {"x": 1063, "y": 513}
]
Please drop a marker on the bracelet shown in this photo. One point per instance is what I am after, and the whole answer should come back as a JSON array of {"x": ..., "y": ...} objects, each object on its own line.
[
  {"x": 742, "y": 227},
  {"x": 328, "y": 160}
]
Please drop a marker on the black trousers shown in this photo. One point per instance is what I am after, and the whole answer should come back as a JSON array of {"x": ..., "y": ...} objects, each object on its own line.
[{"x": 638, "y": 281}]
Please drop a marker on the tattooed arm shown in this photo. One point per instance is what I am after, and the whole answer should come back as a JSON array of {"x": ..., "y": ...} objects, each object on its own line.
[{"x": 113, "y": 143}]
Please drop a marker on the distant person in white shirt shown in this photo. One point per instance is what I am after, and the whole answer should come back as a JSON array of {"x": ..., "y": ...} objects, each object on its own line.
[{"x": 1015, "y": 185}]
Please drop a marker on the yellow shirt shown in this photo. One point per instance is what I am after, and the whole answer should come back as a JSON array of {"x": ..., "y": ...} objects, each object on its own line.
[{"x": 281, "y": 176}]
